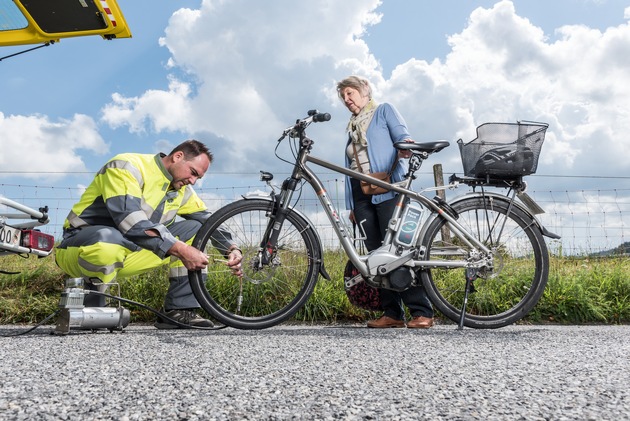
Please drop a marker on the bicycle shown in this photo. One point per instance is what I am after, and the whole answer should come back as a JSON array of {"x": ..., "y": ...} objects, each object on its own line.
[{"x": 482, "y": 257}]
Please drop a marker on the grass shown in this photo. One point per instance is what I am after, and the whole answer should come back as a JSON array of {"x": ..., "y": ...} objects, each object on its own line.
[
  {"x": 579, "y": 290},
  {"x": 586, "y": 291}
]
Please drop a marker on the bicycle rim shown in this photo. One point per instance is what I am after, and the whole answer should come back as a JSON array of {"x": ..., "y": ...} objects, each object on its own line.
[
  {"x": 266, "y": 295},
  {"x": 502, "y": 294}
]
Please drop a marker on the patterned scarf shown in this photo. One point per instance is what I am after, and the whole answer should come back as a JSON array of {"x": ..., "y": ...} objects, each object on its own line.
[{"x": 358, "y": 125}]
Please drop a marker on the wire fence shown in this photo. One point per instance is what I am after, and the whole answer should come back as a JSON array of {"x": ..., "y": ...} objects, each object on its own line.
[{"x": 590, "y": 222}]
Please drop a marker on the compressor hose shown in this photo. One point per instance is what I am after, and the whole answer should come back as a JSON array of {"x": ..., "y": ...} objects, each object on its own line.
[
  {"x": 123, "y": 300},
  {"x": 162, "y": 315}
]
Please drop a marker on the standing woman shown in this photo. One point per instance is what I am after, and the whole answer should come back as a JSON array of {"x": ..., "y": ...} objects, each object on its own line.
[{"x": 372, "y": 130}]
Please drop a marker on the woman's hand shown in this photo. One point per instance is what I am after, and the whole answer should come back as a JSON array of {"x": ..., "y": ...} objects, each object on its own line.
[{"x": 405, "y": 154}]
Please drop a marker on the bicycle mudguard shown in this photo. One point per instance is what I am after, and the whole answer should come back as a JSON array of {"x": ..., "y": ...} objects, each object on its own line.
[
  {"x": 322, "y": 269},
  {"x": 521, "y": 206}
]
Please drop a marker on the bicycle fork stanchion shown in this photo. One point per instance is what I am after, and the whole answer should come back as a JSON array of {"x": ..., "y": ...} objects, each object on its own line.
[{"x": 471, "y": 275}]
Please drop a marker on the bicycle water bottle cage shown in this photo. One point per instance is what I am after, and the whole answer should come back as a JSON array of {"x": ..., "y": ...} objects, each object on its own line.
[{"x": 445, "y": 207}]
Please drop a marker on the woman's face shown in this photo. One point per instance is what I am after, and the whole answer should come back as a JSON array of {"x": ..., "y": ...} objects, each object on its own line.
[{"x": 354, "y": 100}]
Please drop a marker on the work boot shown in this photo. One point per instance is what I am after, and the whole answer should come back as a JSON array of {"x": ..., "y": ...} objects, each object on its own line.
[{"x": 185, "y": 316}]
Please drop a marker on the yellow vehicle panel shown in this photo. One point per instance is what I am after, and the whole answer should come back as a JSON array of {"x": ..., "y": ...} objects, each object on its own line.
[{"x": 41, "y": 21}]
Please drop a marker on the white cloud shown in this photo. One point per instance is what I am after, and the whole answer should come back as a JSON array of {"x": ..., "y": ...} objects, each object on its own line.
[
  {"x": 34, "y": 143},
  {"x": 163, "y": 110},
  {"x": 252, "y": 68},
  {"x": 501, "y": 68},
  {"x": 255, "y": 67}
]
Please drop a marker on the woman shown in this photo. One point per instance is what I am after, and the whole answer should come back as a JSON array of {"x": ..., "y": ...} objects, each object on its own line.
[{"x": 372, "y": 130}]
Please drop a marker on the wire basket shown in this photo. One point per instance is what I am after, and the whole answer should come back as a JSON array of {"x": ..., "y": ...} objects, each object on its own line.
[{"x": 503, "y": 150}]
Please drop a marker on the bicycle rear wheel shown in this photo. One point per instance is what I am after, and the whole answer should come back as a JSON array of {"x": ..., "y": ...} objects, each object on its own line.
[
  {"x": 266, "y": 295},
  {"x": 503, "y": 293}
]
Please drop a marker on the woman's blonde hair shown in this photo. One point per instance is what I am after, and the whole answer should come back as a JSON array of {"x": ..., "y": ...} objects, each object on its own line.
[{"x": 356, "y": 82}]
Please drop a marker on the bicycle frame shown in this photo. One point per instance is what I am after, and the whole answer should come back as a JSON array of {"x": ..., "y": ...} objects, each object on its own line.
[
  {"x": 302, "y": 171},
  {"x": 346, "y": 240}
]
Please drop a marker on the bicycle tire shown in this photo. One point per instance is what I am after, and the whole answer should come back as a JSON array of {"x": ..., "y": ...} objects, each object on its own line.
[
  {"x": 269, "y": 295},
  {"x": 507, "y": 292}
]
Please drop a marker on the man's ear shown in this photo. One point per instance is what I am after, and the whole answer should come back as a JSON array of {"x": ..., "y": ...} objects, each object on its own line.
[{"x": 177, "y": 156}]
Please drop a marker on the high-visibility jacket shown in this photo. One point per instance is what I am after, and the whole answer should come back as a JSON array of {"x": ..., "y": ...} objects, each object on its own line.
[{"x": 131, "y": 193}]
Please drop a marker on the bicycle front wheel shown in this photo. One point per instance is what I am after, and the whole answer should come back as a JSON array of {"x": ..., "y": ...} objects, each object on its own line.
[
  {"x": 504, "y": 292},
  {"x": 267, "y": 294}
]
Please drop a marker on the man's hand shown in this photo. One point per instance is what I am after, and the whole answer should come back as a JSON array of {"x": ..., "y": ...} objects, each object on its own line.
[
  {"x": 235, "y": 257},
  {"x": 192, "y": 258}
]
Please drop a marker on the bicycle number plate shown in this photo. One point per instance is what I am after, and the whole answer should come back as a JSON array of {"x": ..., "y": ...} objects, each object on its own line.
[{"x": 9, "y": 235}]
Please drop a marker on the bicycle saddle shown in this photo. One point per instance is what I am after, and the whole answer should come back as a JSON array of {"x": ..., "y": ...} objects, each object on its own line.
[{"x": 428, "y": 147}]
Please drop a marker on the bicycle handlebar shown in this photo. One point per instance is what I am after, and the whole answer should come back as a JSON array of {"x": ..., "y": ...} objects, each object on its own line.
[
  {"x": 319, "y": 117},
  {"x": 314, "y": 116}
]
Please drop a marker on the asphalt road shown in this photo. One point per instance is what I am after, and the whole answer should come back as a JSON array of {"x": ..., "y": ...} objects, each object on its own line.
[{"x": 342, "y": 372}]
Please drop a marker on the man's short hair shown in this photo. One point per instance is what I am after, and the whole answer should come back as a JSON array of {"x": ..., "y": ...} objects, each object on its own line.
[{"x": 193, "y": 148}]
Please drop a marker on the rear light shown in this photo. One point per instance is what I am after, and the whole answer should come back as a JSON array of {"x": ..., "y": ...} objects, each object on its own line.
[{"x": 37, "y": 240}]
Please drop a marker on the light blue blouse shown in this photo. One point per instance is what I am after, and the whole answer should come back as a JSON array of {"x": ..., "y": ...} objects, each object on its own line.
[{"x": 386, "y": 128}]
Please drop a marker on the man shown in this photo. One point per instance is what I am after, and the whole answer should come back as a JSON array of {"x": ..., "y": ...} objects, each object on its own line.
[{"x": 125, "y": 224}]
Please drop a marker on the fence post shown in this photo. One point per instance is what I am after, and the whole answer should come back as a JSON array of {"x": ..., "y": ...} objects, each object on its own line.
[{"x": 438, "y": 177}]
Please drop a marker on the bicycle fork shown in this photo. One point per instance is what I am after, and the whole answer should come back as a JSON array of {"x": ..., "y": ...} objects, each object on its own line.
[{"x": 269, "y": 242}]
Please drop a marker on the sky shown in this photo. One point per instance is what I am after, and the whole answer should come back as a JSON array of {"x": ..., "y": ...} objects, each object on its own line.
[{"x": 235, "y": 73}]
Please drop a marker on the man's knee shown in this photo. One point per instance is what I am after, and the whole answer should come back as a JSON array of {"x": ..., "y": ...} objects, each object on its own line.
[{"x": 185, "y": 230}]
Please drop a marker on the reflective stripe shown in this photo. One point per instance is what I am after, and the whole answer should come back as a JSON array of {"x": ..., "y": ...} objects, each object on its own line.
[
  {"x": 146, "y": 208},
  {"x": 177, "y": 272},
  {"x": 187, "y": 195},
  {"x": 108, "y": 12},
  {"x": 124, "y": 165},
  {"x": 106, "y": 270},
  {"x": 75, "y": 221},
  {"x": 131, "y": 220},
  {"x": 168, "y": 217}
]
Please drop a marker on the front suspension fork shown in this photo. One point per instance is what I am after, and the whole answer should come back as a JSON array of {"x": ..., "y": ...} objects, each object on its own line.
[{"x": 269, "y": 243}]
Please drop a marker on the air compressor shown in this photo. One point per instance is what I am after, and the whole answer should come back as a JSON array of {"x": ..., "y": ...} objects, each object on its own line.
[{"x": 74, "y": 314}]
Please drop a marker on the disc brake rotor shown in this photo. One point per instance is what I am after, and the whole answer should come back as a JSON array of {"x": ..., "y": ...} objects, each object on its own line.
[{"x": 253, "y": 272}]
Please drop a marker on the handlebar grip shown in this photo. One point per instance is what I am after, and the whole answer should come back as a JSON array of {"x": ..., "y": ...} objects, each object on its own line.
[{"x": 321, "y": 117}]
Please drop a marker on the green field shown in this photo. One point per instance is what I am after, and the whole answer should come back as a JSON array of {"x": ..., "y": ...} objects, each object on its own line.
[{"x": 579, "y": 290}]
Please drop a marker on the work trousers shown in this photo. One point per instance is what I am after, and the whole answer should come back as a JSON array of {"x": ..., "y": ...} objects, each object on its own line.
[{"x": 102, "y": 254}]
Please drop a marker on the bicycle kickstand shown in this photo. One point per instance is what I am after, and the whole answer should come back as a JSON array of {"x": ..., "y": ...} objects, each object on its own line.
[{"x": 471, "y": 275}]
